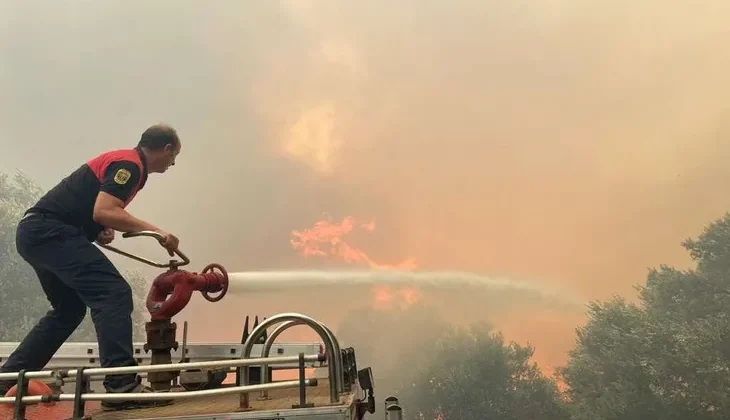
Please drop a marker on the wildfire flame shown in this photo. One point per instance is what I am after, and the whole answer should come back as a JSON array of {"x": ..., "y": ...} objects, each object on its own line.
[
  {"x": 551, "y": 372},
  {"x": 327, "y": 239}
]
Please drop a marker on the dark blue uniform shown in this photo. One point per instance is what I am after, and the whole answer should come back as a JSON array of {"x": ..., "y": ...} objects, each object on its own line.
[{"x": 56, "y": 238}]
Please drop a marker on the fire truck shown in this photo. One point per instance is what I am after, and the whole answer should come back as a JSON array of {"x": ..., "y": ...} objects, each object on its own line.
[{"x": 203, "y": 381}]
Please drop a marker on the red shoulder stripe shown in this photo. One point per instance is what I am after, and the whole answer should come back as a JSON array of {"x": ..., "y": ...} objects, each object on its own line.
[{"x": 99, "y": 163}]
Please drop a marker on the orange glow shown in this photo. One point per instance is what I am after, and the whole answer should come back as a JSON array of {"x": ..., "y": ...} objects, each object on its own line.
[
  {"x": 385, "y": 297},
  {"x": 549, "y": 371},
  {"x": 327, "y": 238}
]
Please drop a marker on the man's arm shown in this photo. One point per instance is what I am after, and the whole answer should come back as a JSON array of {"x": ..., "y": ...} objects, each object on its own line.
[
  {"x": 118, "y": 183},
  {"x": 120, "y": 180}
]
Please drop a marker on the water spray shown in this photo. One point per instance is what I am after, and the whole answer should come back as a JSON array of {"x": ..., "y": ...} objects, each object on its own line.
[{"x": 271, "y": 281}]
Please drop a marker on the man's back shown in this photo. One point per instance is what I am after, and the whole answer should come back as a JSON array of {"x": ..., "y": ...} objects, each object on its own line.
[{"x": 120, "y": 172}]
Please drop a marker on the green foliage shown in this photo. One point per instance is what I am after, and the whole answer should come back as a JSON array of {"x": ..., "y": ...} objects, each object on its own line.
[
  {"x": 22, "y": 300},
  {"x": 608, "y": 373},
  {"x": 668, "y": 357},
  {"x": 401, "y": 334},
  {"x": 473, "y": 374},
  {"x": 711, "y": 250},
  {"x": 435, "y": 369}
]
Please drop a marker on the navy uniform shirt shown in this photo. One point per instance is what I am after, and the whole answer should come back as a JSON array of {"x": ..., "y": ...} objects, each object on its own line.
[{"x": 121, "y": 173}]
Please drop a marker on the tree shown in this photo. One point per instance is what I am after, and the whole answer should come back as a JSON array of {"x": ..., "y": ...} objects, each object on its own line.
[
  {"x": 22, "y": 299},
  {"x": 474, "y": 374},
  {"x": 21, "y": 296},
  {"x": 436, "y": 370},
  {"x": 669, "y": 356},
  {"x": 386, "y": 339},
  {"x": 608, "y": 373}
]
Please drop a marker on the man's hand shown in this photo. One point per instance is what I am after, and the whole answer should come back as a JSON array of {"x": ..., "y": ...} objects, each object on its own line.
[
  {"x": 105, "y": 236},
  {"x": 169, "y": 241}
]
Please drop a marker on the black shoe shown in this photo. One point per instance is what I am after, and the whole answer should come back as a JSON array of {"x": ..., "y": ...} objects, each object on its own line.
[{"x": 107, "y": 405}]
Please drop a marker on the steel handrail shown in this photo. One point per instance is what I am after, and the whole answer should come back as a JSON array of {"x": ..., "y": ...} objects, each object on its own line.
[
  {"x": 334, "y": 358},
  {"x": 97, "y": 377},
  {"x": 163, "y": 367},
  {"x": 269, "y": 343},
  {"x": 83, "y": 393},
  {"x": 138, "y": 396}
]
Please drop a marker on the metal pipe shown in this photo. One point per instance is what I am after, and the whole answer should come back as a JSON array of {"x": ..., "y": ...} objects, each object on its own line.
[
  {"x": 390, "y": 401},
  {"x": 97, "y": 378},
  {"x": 75, "y": 354},
  {"x": 339, "y": 363},
  {"x": 166, "y": 367},
  {"x": 172, "y": 264},
  {"x": 316, "y": 326},
  {"x": 209, "y": 364},
  {"x": 394, "y": 412},
  {"x": 184, "y": 349},
  {"x": 29, "y": 375},
  {"x": 266, "y": 350},
  {"x": 124, "y": 396},
  {"x": 339, "y": 377}
]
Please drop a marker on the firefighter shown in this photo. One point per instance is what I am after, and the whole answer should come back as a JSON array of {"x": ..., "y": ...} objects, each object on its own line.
[{"x": 56, "y": 235}]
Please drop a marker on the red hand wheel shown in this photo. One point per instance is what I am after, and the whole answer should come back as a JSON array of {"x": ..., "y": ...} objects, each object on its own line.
[{"x": 221, "y": 278}]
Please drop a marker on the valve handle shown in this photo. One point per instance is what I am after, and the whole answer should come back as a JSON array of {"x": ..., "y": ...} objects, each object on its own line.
[
  {"x": 172, "y": 264},
  {"x": 224, "y": 281}
]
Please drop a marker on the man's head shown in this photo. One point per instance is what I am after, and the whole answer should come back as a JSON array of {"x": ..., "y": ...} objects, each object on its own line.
[{"x": 160, "y": 145}]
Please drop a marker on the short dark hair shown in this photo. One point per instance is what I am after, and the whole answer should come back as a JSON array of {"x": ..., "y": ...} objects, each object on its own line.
[{"x": 158, "y": 136}]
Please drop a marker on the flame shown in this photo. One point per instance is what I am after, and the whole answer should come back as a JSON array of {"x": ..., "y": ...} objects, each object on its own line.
[
  {"x": 324, "y": 233},
  {"x": 327, "y": 239},
  {"x": 550, "y": 372},
  {"x": 385, "y": 297}
]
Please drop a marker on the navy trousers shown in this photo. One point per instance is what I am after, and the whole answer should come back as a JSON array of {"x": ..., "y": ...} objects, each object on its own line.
[{"x": 74, "y": 275}]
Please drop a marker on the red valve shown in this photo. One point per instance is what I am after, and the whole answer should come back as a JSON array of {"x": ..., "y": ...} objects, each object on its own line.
[
  {"x": 179, "y": 285},
  {"x": 224, "y": 282}
]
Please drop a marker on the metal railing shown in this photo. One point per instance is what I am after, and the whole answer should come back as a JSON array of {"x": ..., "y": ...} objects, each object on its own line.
[
  {"x": 82, "y": 376},
  {"x": 269, "y": 343},
  {"x": 332, "y": 352},
  {"x": 77, "y": 354}
]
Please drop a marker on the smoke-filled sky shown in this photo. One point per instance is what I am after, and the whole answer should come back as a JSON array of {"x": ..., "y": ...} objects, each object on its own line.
[{"x": 574, "y": 143}]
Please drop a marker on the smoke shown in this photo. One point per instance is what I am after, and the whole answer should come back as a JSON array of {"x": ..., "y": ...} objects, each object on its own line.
[{"x": 572, "y": 142}]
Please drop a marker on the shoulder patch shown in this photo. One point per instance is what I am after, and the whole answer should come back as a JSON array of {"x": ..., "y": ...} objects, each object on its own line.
[{"x": 122, "y": 176}]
